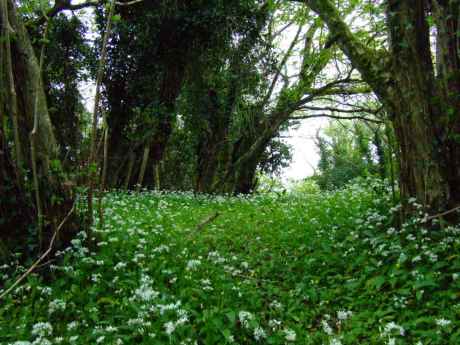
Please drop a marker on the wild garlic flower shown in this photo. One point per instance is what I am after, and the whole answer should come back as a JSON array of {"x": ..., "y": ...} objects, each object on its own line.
[
  {"x": 443, "y": 322},
  {"x": 342, "y": 315},
  {"x": 289, "y": 334},
  {"x": 193, "y": 264},
  {"x": 326, "y": 328},
  {"x": 392, "y": 326},
  {"x": 259, "y": 333},
  {"x": 42, "y": 329},
  {"x": 245, "y": 317},
  {"x": 335, "y": 341},
  {"x": 170, "y": 327},
  {"x": 56, "y": 305}
]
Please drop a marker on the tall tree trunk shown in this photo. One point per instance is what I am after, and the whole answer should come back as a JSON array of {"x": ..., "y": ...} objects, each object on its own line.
[
  {"x": 132, "y": 157},
  {"x": 145, "y": 159},
  {"x": 213, "y": 138},
  {"x": 415, "y": 117}
]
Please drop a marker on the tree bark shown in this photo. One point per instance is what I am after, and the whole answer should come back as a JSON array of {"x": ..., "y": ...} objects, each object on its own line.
[
  {"x": 145, "y": 159},
  {"x": 424, "y": 107},
  {"x": 31, "y": 104}
]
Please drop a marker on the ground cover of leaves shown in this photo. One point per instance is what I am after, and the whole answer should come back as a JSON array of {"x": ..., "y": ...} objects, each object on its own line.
[{"x": 322, "y": 268}]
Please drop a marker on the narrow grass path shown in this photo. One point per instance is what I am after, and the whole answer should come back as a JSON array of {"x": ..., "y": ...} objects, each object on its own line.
[{"x": 272, "y": 269}]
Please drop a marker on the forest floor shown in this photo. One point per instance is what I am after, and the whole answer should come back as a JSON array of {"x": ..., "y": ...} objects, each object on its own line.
[{"x": 323, "y": 268}]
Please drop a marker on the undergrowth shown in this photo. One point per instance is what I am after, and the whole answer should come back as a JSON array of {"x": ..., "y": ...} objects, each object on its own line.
[{"x": 322, "y": 268}]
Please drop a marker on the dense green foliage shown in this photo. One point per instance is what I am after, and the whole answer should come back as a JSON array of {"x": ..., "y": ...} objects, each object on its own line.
[
  {"x": 350, "y": 150},
  {"x": 299, "y": 268},
  {"x": 67, "y": 63}
]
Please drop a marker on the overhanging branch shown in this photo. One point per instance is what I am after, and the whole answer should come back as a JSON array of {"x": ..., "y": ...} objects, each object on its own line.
[
  {"x": 67, "y": 5},
  {"x": 337, "y": 117},
  {"x": 340, "y": 110}
]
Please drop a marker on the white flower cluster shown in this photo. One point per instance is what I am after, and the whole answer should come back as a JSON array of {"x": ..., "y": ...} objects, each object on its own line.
[
  {"x": 326, "y": 328},
  {"x": 245, "y": 317},
  {"x": 171, "y": 326},
  {"x": 391, "y": 327},
  {"x": 145, "y": 292},
  {"x": 259, "y": 333},
  {"x": 56, "y": 305},
  {"x": 289, "y": 334},
  {"x": 276, "y": 305},
  {"x": 42, "y": 329},
  {"x": 343, "y": 315},
  {"x": 193, "y": 264},
  {"x": 443, "y": 322}
]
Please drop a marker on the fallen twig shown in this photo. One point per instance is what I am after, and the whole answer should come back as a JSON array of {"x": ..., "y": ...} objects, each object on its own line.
[
  {"x": 442, "y": 214},
  {"x": 206, "y": 221}
]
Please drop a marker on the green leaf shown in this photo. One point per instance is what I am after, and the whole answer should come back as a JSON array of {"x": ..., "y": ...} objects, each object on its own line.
[{"x": 377, "y": 282}]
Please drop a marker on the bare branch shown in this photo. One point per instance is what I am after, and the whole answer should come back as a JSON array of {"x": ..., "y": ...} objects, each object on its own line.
[
  {"x": 280, "y": 67},
  {"x": 66, "y": 5},
  {"x": 341, "y": 110},
  {"x": 336, "y": 117},
  {"x": 43, "y": 256},
  {"x": 280, "y": 31}
]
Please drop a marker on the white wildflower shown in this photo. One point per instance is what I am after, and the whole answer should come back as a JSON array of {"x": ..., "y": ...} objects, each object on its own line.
[
  {"x": 146, "y": 293},
  {"x": 289, "y": 334},
  {"x": 276, "y": 305},
  {"x": 170, "y": 327},
  {"x": 165, "y": 307},
  {"x": 56, "y": 305},
  {"x": 417, "y": 258},
  {"x": 192, "y": 264},
  {"x": 259, "y": 333},
  {"x": 42, "y": 341},
  {"x": 433, "y": 257},
  {"x": 326, "y": 328},
  {"x": 42, "y": 329},
  {"x": 335, "y": 341},
  {"x": 72, "y": 325},
  {"x": 391, "y": 231},
  {"x": 274, "y": 323},
  {"x": 46, "y": 291},
  {"x": 342, "y": 315},
  {"x": 120, "y": 266},
  {"x": 411, "y": 237},
  {"x": 443, "y": 322},
  {"x": 245, "y": 317},
  {"x": 110, "y": 329},
  {"x": 393, "y": 326}
]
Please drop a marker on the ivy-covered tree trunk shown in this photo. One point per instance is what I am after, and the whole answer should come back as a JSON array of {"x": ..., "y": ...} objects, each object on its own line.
[
  {"x": 422, "y": 96},
  {"x": 170, "y": 87},
  {"x": 26, "y": 90},
  {"x": 213, "y": 145},
  {"x": 425, "y": 120}
]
